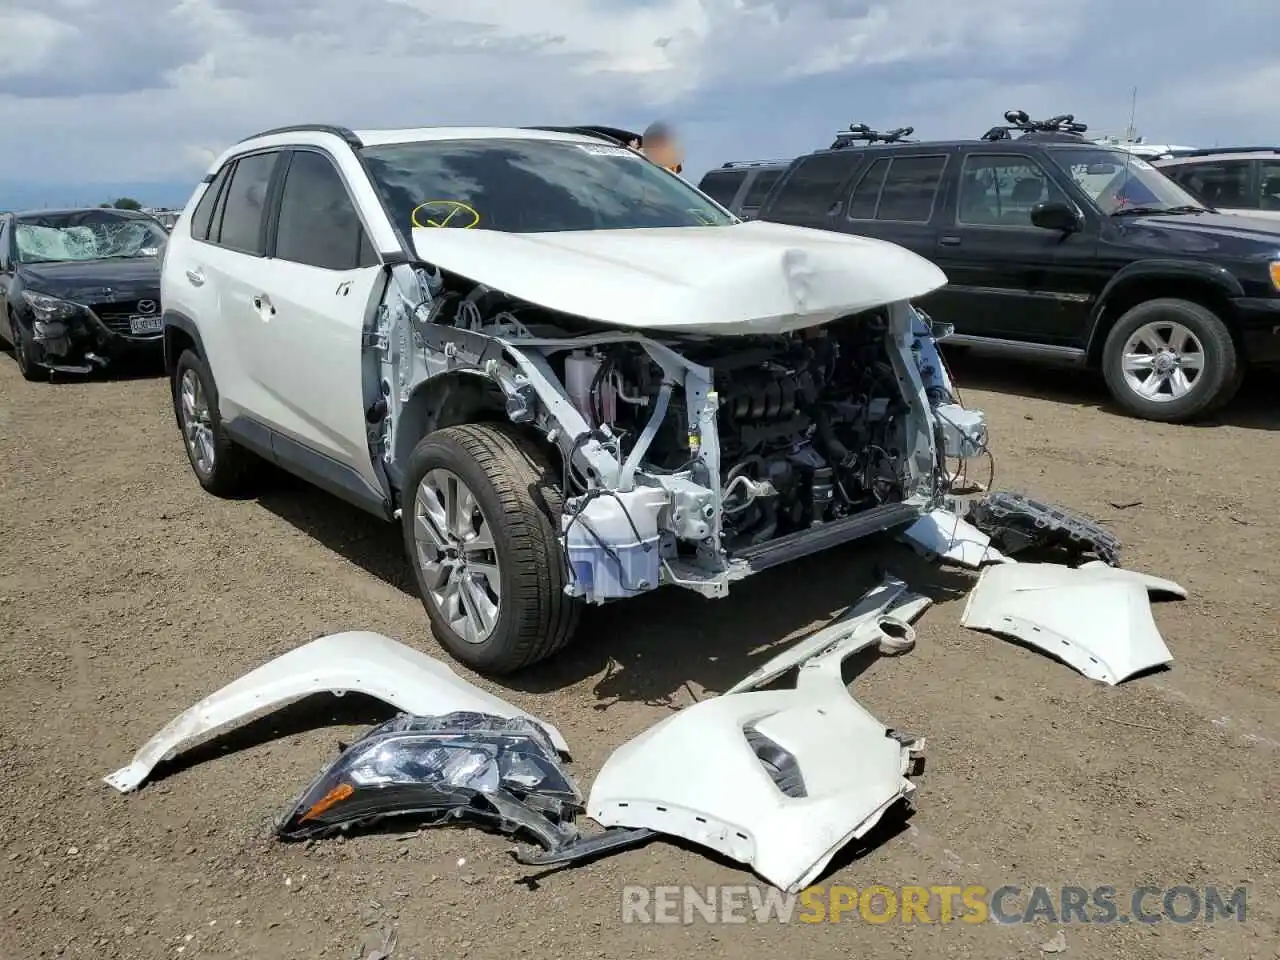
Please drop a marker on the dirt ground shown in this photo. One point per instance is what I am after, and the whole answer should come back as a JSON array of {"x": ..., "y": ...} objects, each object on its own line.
[{"x": 126, "y": 594}]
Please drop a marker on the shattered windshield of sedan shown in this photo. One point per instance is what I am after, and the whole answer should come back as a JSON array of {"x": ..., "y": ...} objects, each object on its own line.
[
  {"x": 86, "y": 235},
  {"x": 533, "y": 186},
  {"x": 1116, "y": 181}
]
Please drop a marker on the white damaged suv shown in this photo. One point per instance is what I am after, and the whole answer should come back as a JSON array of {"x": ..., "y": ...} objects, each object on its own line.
[{"x": 569, "y": 375}]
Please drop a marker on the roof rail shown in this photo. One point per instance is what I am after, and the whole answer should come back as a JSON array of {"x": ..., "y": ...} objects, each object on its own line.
[
  {"x": 861, "y": 133},
  {"x": 753, "y": 163},
  {"x": 1063, "y": 126},
  {"x": 1210, "y": 151},
  {"x": 340, "y": 132}
]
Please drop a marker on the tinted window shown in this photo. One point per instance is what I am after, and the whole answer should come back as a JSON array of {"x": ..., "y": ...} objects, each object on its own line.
[
  {"x": 1001, "y": 190},
  {"x": 4, "y": 243},
  {"x": 866, "y": 195},
  {"x": 1269, "y": 182},
  {"x": 1219, "y": 183},
  {"x": 246, "y": 197},
  {"x": 722, "y": 187},
  {"x": 807, "y": 194},
  {"x": 532, "y": 186},
  {"x": 203, "y": 215},
  {"x": 318, "y": 223},
  {"x": 909, "y": 188},
  {"x": 760, "y": 187}
]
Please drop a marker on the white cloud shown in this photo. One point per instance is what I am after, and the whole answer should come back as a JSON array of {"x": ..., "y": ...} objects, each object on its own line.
[{"x": 150, "y": 89}]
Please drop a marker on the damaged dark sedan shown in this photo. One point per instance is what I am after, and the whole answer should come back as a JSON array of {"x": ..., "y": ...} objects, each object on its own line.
[{"x": 80, "y": 288}]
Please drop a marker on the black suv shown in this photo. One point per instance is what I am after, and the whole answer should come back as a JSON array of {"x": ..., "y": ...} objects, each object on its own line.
[
  {"x": 741, "y": 187},
  {"x": 1061, "y": 248}
]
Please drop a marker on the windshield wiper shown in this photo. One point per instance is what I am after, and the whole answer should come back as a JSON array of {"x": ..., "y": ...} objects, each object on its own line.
[{"x": 1136, "y": 211}]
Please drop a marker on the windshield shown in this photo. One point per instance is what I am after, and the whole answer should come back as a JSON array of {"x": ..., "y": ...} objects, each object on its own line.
[
  {"x": 86, "y": 235},
  {"x": 1117, "y": 181},
  {"x": 532, "y": 186}
]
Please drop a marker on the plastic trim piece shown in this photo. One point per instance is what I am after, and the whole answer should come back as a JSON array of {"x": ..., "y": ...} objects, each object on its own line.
[
  {"x": 357, "y": 661},
  {"x": 1095, "y": 618},
  {"x": 944, "y": 535}
]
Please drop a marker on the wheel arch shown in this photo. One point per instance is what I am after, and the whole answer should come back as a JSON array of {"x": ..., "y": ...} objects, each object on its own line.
[
  {"x": 180, "y": 333},
  {"x": 1210, "y": 286}
]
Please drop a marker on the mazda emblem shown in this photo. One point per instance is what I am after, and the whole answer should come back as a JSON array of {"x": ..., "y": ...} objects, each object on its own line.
[{"x": 146, "y": 306}]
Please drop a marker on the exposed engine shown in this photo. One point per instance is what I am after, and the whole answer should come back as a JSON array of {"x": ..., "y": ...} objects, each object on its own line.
[{"x": 811, "y": 425}]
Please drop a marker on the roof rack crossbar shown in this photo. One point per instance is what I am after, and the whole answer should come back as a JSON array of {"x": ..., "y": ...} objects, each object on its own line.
[
  {"x": 861, "y": 133},
  {"x": 341, "y": 132},
  {"x": 752, "y": 163}
]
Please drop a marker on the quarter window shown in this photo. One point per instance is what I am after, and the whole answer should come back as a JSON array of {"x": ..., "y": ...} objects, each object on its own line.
[
  {"x": 1002, "y": 190},
  {"x": 722, "y": 187},
  {"x": 318, "y": 222},
  {"x": 245, "y": 203},
  {"x": 808, "y": 193},
  {"x": 203, "y": 215}
]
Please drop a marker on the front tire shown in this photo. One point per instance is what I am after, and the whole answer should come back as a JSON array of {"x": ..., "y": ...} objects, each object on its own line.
[
  {"x": 1171, "y": 360},
  {"x": 480, "y": 510},
  {"x": 222, "y": 467},
  {"x": 31, "y": 371}
]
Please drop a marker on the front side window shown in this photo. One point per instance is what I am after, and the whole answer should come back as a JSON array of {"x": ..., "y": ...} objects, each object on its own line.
[
  {"x": 532, "y": 186},
  {"x": 78, "y": 235},
  {"x": 812, "y": 187},
  {"x": 1118, "y": 183},
  {"x": 244, "y": 204},
  {"x": 318, "y": 222},
  {"x": 1001, "y": 190},
  {"x": 760, "y": 188},
  {"x": 1217, "y": 183}
]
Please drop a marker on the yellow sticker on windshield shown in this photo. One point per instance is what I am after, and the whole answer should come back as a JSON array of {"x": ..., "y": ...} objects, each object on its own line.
[{"x": 444, "y": 213}]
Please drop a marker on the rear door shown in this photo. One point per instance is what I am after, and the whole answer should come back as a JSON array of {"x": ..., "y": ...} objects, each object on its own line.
[
  {"x": 895, "y": 198},
  {"x": 320, "y": 288},
  {"x": 1010, "y": 279},
  {"x": 811, "y": 195}
]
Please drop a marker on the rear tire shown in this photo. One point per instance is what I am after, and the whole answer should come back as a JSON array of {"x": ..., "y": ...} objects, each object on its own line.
[
  {"x": 501, "y": 533},
  {"x": 222, "y": 467},
  {"x": 1171, "y": 360}
]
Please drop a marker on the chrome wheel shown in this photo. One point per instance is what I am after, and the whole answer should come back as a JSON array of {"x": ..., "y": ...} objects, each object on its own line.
[
  {"x": 457, "y": 555},
  {"x": 197, "y": 423},
  {"x": 1163, "y": 361}
]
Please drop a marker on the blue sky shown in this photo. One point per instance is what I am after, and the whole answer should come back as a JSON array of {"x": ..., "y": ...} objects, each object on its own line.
[{"x": 97, "y": 94}]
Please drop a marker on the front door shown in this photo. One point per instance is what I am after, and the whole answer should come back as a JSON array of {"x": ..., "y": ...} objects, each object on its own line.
[
  {"x": 323, "y": 282},
  {"x": 1008, "y": 278}
]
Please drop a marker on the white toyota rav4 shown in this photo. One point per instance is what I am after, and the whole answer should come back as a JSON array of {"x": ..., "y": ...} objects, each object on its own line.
[{"x": 570, "y": 376}]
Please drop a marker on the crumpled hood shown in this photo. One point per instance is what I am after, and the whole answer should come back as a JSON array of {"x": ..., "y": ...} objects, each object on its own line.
[
  {"x": 96, "y": 281},
  {"x": 744, "y": 278}
]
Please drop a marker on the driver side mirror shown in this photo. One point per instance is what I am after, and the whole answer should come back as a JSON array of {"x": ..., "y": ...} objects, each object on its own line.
[{"x": 1055, "y": 215}]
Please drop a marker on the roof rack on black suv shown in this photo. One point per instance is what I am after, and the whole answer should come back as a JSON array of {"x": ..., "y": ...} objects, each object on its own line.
[
  {"x": 1059, "y": 247},
  {"x": 861, "y": 133}
]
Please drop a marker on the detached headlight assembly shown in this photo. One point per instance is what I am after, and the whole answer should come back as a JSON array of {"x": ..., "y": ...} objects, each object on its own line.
[
  {"x": 504, "y": 772},
  {"x": 49, "y": 309}
]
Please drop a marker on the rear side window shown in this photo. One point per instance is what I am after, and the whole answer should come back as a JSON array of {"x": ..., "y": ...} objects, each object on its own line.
[
  {"x": 813, "y": 186},
  {"x": 899, "y": 189},
  {"x": 245, "y": 204},
  {"x": 909, "y": 189},
  {"x": 760, "y": 188},
  {"x": 203, "y": 215},
  {"x": 318, "y": 222},
  {"x": 722, "y": 187}
]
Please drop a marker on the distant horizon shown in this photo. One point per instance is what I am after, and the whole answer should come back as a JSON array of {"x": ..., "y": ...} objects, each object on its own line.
[{"x": 28, "y": 195}]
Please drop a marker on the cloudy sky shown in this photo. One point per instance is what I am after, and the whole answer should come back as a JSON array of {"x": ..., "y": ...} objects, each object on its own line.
[{"x": 149, "y": 90}]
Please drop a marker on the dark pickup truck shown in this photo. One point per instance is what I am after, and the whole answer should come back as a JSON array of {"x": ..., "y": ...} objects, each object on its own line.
[{"x": 1056, "y": 247}]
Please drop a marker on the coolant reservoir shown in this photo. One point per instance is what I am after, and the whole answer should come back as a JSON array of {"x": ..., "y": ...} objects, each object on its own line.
[{"x": 579, "y": 372}]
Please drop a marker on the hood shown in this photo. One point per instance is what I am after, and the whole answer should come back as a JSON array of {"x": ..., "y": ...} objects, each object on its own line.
[
  {"x": 1207, "y": 233},
  {"x": 743, "y": 278},
  {"x": 95, "y": 281}
]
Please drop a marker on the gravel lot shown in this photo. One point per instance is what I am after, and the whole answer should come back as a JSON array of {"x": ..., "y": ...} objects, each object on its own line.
[{"x": 126, "y": 594}]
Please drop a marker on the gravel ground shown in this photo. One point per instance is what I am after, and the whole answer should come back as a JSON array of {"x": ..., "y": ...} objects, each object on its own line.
[{"x": 126, "y": 594}]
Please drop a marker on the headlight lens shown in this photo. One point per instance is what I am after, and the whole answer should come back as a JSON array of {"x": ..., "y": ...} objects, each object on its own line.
[
  {"x": 436, "y": 767},
  {"x": 48, "y": 309},
  {"x": 1275, "y": 274}
]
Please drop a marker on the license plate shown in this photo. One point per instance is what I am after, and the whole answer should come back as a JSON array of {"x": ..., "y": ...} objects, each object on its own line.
[{"x": 139, "y": 325}]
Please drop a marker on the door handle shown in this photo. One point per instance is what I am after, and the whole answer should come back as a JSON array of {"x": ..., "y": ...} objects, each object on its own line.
[
  {"x": 260, "y": 300},
  {"x": 949, "y": 241},
  {"x": 196, "y": 278}
]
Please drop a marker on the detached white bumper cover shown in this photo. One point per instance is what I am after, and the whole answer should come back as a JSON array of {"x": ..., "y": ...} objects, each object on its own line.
[
  {"x": 835, "y": 769},
  {"x": 358, "y": 661},
  {"x": 1095, "y": 618},
  {"x": 745, "y": 278}
]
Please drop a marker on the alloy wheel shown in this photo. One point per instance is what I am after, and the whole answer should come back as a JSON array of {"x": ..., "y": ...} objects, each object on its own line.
[
  {"x": 1163, "y": 361},
  {"x": 197, "y": 422}
]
